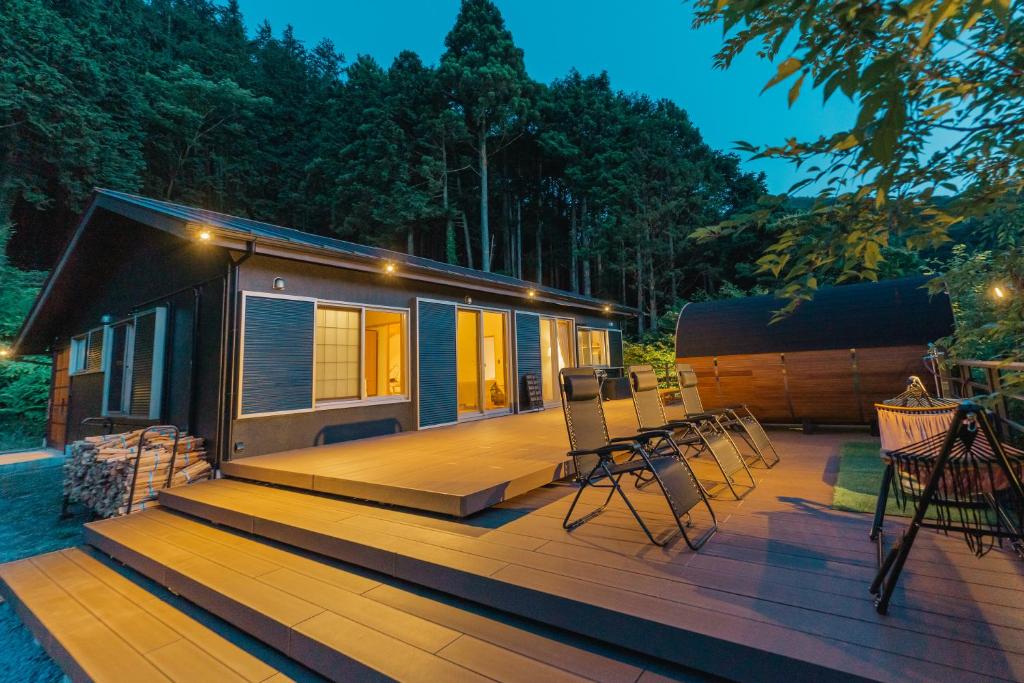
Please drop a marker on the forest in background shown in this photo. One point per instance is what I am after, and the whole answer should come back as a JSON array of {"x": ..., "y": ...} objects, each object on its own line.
[{"x": 571, "y": 183}]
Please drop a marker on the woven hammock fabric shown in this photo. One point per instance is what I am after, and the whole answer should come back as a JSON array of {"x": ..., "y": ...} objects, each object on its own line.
[{"x": 913, "y": 416}]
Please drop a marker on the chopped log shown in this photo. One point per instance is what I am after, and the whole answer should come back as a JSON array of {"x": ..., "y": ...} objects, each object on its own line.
[{"x": 100, "y": 470}]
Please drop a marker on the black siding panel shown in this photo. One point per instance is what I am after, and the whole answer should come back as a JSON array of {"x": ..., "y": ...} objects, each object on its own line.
[
  {"x": 437, "y": 371},
  {"x": 277, "y": 355},
  {"x": 615, "y": 348},
  {"x": 888, "y": 313},
  {"x": 527, "y": 348}
]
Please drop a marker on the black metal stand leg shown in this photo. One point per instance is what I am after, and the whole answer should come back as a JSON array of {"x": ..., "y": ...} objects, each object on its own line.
[{"x": 883, "y": 500}]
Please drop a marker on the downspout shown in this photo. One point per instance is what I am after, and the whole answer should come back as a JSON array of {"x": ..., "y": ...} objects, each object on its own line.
[{"x": 229, "y": 354}]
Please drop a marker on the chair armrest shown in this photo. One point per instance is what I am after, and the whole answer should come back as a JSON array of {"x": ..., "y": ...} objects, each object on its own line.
[{"x": 604, "y": 451}]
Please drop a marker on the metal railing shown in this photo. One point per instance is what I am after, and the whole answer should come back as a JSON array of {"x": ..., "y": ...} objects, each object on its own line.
[{"x": 996, "y": 382}]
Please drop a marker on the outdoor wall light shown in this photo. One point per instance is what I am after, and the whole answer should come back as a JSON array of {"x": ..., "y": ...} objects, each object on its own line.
[
  {"x": 467, "y": 300},
  {"x": 607, "y": 308},
  {"x": 389, "y": 268},
  {"x": 205, "y": 235},
  {"x": 279, "y": 284},
  {"x": 531, "y": 293},
  {"x": 106, "y": 319}
]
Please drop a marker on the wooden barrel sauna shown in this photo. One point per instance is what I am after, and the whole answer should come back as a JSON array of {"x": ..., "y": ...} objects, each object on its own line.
[{"x": 828, "y": 363}]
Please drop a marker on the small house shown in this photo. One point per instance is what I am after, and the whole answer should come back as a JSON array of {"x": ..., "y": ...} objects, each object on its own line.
[{"x": 262, "y": 338}]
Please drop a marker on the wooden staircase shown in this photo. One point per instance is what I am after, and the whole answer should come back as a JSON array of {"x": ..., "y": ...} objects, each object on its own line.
[{"x": 338, "y": 620}]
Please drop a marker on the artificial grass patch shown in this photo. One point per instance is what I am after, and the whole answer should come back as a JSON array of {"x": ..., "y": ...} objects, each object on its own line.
[{"x": 859, "y": 479}]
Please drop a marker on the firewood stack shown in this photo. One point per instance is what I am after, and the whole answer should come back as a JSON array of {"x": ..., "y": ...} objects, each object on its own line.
[{"x": 98, "y": 474}]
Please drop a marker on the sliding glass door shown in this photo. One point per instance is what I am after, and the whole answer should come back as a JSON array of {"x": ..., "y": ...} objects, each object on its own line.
[
  {"x": 482, "y": 363},
  {"x": 555, "y": 353}
]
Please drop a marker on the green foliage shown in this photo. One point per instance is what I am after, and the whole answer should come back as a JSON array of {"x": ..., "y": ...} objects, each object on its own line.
[
  {"x": 988, "y": 327},
  {"x": 23, "y": 385},
  {"x": 658, "y": 352},
  {"x": 936, "y": 140}
]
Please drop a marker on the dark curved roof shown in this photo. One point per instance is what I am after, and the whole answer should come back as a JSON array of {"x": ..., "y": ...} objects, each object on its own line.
[{"x": 888, "y": 313}]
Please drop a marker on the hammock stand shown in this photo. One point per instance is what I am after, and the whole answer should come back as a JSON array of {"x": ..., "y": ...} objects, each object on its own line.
[
  {"x": 968, "y": 480},
  {"x": 909, "y": 418}
]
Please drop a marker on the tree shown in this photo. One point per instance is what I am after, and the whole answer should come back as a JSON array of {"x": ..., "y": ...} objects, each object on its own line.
[
  {"x": 936, "y": 142},
  {"x": 486, "y": 80}
]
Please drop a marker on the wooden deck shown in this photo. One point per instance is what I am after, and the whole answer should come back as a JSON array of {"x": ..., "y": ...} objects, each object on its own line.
[
  {"x": 781, "y": 593},
  {"x": 349, "y": 624},
  {"x": 455, "y": 470},
  {"x": 18, "y": 457},
  {"x": 99, "y": 626}
]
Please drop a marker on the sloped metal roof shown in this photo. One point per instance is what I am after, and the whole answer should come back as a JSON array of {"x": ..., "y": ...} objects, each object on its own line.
[
  {"x": 248, "y": 229},
  {"x": 875, "y": 314}
]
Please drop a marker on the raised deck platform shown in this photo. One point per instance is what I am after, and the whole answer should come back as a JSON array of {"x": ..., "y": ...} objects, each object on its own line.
[
  {"x": 456, "y": 470},
  {"x": 781, "y": 593}
]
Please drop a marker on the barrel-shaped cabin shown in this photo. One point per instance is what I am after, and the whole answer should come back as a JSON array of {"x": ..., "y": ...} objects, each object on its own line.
[{"x": 827, "y": 363}]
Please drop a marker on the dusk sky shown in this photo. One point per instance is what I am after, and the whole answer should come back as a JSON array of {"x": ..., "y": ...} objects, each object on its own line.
[{"x": 646, "y": 47}]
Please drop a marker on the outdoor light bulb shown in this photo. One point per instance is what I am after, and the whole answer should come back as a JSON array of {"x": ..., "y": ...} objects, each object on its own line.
[
  {"x": 607, "y": 308},
  {"x": 531, "y": 293},
  {"x": 389, "y": 268},
  {"x": 205, "y": 235},
  {"x": 4, "y": 353},
  {"x": 998, "y": 291}
]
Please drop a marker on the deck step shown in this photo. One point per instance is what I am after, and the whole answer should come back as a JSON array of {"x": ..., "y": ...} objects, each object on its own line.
[
  {"x": 100, "y": 626},
  {"x": 726, "y": 625},
  {"x": 347, "y": 623}
]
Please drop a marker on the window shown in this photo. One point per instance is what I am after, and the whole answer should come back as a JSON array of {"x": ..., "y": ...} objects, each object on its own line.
[
  {"x": 134, "y": 362},
  {"x": 337, "y": 353},
  {"x": 593, "y": 346},
  {"x": 360, "y": 353},
  {"x": 87, "y": 352}
]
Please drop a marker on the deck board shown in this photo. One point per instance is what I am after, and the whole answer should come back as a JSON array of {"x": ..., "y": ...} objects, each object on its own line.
[
  {"x": 782, "y": 587},
  {"x": 100, "y": 626},
  {"x": 348, "y": 625}
]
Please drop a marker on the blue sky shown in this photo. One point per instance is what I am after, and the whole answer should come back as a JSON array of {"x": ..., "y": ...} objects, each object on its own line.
[{"x": 646, "y": 46}]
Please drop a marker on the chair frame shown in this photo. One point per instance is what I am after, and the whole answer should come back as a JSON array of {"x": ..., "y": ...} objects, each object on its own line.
[
  {"x": 639, "y": 462},
  {"x": 734, "y": 418}
]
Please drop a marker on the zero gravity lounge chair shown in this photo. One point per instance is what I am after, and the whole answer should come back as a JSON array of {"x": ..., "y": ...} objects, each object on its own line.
[
  {"x": 699, "y": 432},
  {"x": 602, "y": 462},
  {"x": 737, "y": 419}
]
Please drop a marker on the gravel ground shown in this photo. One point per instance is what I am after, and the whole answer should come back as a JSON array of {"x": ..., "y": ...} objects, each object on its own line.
[{"x": 30, "y": 500}]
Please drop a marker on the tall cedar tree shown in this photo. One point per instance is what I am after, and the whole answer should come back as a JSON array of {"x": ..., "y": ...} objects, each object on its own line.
[{"x": 486, "y": 79}]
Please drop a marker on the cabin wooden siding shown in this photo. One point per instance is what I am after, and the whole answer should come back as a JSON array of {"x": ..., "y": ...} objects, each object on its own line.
[
  {"x": 120, "y": 267},
  {"x": 831, "y": 386}
]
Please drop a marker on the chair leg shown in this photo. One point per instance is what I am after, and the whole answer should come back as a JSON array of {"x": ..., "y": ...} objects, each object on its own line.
[
  {"x": 639, "y": 519},
  {"x": 569, "y": 526}
]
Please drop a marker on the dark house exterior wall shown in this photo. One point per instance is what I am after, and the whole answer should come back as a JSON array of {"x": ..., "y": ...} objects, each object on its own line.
[
  {"x": 265, "y": 433},
  {"x": 121, "y": 266}
]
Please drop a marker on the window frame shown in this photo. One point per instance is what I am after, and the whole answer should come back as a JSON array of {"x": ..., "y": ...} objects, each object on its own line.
[
  {"x": 160, "y": 330},
  {"x": 363, "y": 399},
  {"x": 579, "y": 348},
  {"x": 78, "y": 358}
]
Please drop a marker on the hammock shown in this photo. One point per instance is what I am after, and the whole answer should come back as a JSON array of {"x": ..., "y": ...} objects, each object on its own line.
[
  {"x": 964, "y": 481},
  {"x": 913, "y": 416}
]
